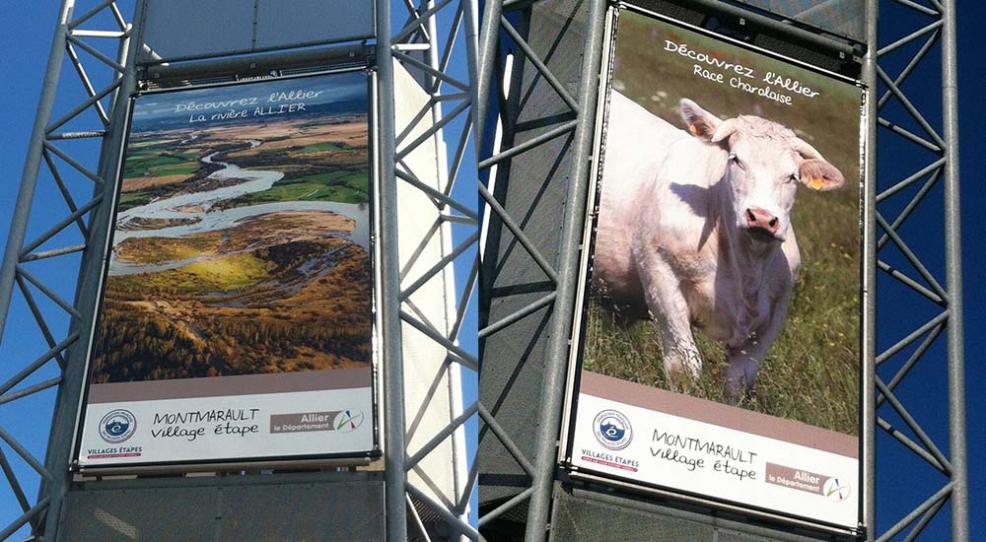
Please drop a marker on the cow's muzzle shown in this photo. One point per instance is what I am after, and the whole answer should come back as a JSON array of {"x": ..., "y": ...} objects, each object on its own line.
[{"x": 762, "y": 224}]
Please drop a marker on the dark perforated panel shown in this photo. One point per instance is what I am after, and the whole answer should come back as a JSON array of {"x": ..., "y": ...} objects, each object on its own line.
[
  {"x": 840, "y": 17},
  {"x": 734, "y": 536},
  {"x": 533, "y": 187},
  {"x": 674, "y": 9},
  {"x": 306, "y": 512},
  {"x": 128, "y": 515},
  {"x": 587, "y": 516},
  {"x": 261, "y": 512},
  {"x": 585, "y": 520},
  {"x": 176, "y": 29}
]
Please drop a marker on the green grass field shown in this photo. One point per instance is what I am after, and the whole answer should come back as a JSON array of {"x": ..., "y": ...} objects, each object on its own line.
[
  {"x": 131, "y": 200},
  {"x": 152, "y": 250},
  {"x": 321, "y": 147},
  {"x": 218, "y": 274},
  {"x": 811, "y": 372},
  {"x": 342, "y": 185},
  {"x": 228, "y": 272},
  {"x": 151, "y": 161}
]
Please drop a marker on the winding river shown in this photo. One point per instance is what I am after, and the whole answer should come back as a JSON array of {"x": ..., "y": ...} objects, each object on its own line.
[{"x": 201, "y": 207}]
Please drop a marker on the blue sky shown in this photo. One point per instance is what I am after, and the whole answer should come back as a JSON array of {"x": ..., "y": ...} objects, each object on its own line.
[{"x": 24, "y": 46}]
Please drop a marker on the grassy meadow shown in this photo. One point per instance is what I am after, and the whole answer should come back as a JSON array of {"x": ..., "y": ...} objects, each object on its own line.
[{"x": 811, "y": 372}]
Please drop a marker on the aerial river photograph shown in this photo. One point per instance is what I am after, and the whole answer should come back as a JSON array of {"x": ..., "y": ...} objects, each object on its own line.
[{"x": 241, "y": 243}]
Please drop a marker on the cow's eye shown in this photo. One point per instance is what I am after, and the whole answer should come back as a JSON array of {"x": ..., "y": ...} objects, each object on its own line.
[
  {"x": 793, "y": 178},
  {"x": 735, "y": 160}
]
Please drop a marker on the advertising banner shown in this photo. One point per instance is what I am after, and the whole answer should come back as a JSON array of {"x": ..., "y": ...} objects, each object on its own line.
[
  {"x": 237, "y": 314},
  {"x": 718, "y": 353}
]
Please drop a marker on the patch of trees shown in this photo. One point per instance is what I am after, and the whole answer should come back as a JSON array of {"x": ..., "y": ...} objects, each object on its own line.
[{"x": 328, "y": 323}]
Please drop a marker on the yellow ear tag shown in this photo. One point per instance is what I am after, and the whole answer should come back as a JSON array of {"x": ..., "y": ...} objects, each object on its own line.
[
  {"x": 816, "y": 183},
  {"x": 693, "y": 129}
]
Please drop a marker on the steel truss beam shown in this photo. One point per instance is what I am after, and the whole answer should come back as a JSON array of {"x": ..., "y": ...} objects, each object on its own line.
[
  {"x": 101, "y": 59},
  {"x": 561, "y": 281},
  {"x": 434, "y": 39},
  {"x": 433, "y": 42},
  {"x": 935, "y": 34},
  {"x": 903, "y": 120}
]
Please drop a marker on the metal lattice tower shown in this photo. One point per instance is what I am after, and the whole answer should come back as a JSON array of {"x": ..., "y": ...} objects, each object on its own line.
[
  {"x": 926, "y": 38},
  {"x": 436, "y": 43},
  {"x": 444, "y": 41},
  {"x": 105, "y": 80},
  {"x": 556, "y": 279},
  {"x": 547, "y": 302}
]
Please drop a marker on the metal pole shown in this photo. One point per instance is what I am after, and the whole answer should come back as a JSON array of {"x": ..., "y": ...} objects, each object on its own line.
[
  {"x": 393, "y": 371},
  {"x": 470, "y": 14},
  {"x": 953, "y": 257},
  {"x": 556, "y": 360},
  {"x": 59, "y": 451},
  {"x": 452, "y": 371},
  {"x": 869, "y": 273},
  {"x": 489, "y": 36},
  {"x": 29, "y": 177}
]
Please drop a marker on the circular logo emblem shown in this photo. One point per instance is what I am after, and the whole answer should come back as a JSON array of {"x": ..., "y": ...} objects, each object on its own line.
[
  {"x": 348, "y": 421},
  {"x": 117, "y": 426},
  {"x": 836, "y": 489},
  {"x": 612, "y": 429}
]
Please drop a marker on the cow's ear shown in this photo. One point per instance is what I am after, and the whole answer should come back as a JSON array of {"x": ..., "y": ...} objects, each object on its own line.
[
  {"x": 700, "y": 122},
  {"x": 818, "y": 174},
  {"x": 726, "y": 128},
  {"x": 815, "y": 171}
]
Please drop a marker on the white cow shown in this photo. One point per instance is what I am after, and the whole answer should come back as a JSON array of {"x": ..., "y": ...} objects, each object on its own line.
[{"x": 695, "y": 229}]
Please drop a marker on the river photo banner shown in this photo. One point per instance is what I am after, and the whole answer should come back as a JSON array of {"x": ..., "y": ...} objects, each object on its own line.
[
  {"x": 717, "y": 353},
  {"x": 236, "y": 321}
]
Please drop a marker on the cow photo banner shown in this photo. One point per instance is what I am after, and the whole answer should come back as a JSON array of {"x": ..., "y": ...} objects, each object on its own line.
[
  {"x": 236, "y": 321},
  {"x": 717, "y": 352}
]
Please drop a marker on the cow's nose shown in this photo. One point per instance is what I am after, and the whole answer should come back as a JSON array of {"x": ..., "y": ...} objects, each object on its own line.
[{"x": 761, "y": 218}]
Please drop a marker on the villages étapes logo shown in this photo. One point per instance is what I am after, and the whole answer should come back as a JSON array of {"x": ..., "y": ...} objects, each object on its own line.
[
  {"x": 612, "y": 429},
  {"x": 115, "y": 427}
]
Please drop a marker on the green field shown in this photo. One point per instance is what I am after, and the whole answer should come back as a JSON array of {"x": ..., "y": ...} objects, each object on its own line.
[
  {"x": 322, "y": 147},
  {"x": 213, "y": 275},
  {"x": 153, "y": 161},
  {"x": 245, "y": 313},
  {"x": 342, "y": 185},
  {"x": 133, "y": 199},
  {"x": 152, "y": 250}
]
